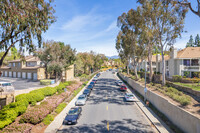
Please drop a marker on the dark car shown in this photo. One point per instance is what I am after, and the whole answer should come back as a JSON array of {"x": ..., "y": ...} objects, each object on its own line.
[
  {"x": 73, "y": 115},
  {"x": 92, "y": 83},
  {"x": 87, "y": 92},
  {"x": 94, "y": 80},
  {"x": 90, "y": 87}
]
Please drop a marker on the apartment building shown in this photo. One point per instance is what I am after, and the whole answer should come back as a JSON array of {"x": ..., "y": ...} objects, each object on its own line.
[
  {"x": 29, "y": 68},
  {"x": 185, "y": 62}
]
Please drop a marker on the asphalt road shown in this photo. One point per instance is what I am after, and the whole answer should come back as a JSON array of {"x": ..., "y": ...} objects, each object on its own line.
[{"x": 106, "y": 111}]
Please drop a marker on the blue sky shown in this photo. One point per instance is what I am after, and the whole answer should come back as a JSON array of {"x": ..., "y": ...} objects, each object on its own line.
[{"x": 92, "y": 24}]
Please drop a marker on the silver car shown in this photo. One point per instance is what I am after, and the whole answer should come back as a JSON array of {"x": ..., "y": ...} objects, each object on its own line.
[
  {"x": 81, "y": 100},
  {"x": 119, "y": 83},
  {"x": 129, "y": 97}
]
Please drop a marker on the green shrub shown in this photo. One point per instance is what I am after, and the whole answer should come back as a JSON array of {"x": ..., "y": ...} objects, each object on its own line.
[
  {"x": 48, "y": 119},
  {"x": 45, "y": 82},
  {"x": 176, "y": 78},
  {"x": 60, "y": 107},
  {"x": 10, "y": 112}
]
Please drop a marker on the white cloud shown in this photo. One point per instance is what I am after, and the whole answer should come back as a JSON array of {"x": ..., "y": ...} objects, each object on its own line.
[{"x": 82, "y": 22}]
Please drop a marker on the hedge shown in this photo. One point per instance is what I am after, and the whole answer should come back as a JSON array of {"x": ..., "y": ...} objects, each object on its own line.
[
  {"x": 10, "y": 112},
  {"x": 45, "y": 82}
]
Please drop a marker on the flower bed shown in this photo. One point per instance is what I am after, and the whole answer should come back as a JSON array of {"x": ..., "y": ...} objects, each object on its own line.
[
  {"x": 37, "y": 113},
  {"x": 18, "y": 128}
]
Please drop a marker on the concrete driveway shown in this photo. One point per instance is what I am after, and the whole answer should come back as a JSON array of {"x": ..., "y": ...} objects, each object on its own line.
[{"x": 21, "y": 84}]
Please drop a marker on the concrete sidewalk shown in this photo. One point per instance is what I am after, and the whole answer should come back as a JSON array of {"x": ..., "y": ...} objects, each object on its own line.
[
  {"x": 58, "y": 120},
  {"x": 153, "y": 118}
]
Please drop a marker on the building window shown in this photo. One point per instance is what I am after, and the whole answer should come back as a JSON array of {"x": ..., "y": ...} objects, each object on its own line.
[
  {"x": 19, "y": 64},
  {"x": 13, "y": 64},
  {"x": 195, "y": 62},
  {"x": 186, "y": 62},
  {"x": 9, "y": 64}
]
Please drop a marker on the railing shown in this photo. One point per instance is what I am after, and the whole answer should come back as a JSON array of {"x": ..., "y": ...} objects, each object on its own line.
[{"x": 195, "y": 68}]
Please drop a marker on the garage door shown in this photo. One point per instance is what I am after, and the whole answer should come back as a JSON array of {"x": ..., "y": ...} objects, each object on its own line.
[
  {"x": 10, "y": 74},
  {"x": 29, "y": 76},
  {"x": 24, "y": 75},
  {"x": 34, "y": 76},
  {"x": 14, "y": 75},
  {"x": 19, "y": 74},
  {"x": 6, "y": 74}
]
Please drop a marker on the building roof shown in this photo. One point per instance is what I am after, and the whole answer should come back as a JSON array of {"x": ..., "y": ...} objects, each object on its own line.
[
  {"x": 27, "y": 59},
  {"x": 189, "y": 52}
]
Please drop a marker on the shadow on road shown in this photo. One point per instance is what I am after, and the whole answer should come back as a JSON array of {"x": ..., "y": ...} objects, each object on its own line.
[
  {"x": 106, "y": 91},
  {"x": 125, "y": 126}
]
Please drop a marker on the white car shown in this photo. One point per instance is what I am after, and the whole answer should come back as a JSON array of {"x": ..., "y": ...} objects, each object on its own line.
[
  {"x": 81, "y": 100},
  {"x": 119, "y": 83},
  {"x": 6, "y": 87},
  {"x": 129, "y": 97}
]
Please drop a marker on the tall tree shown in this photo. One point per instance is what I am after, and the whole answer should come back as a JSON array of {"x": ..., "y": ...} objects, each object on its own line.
[
  {"x": 190, "y": 43},
  {"x": 23, "y": 20},
  {"x": 169, "y": 24},
  {"x": 197, "y": 41}
]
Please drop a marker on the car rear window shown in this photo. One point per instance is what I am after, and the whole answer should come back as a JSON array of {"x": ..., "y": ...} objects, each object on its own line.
[{"x": 73, "y": 111}]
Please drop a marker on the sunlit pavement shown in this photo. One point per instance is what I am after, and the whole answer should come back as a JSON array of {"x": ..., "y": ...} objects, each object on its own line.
[{"x": 107, "y": 111}]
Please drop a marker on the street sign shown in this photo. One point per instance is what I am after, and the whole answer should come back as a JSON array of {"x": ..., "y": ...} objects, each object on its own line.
[{"x": 145, "y": 90}]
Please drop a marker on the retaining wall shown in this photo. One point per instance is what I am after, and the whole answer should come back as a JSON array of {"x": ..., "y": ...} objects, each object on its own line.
[{"x": 181, "y": 118}]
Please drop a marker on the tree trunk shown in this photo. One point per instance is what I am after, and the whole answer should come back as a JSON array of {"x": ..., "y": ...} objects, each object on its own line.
[
  {"x": 135, "y": 71},
  {"x": 46, "y": 74},
  {"x": 128, "y": 67},
  {"x": 150, "y": 63},
  {"x": 4, "y": 55},
  {"x": 163, "y": 67}
]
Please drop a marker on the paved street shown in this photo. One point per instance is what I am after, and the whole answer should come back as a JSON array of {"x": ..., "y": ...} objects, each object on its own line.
[{"x": 107, "y": 111}]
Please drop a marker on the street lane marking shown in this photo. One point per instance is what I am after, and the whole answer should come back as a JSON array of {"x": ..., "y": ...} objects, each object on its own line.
[
  {"x": 107, "y": 107},
  {"x": 107, "y": 125}
]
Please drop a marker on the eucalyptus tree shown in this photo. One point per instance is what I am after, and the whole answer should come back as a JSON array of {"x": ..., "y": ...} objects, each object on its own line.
[
  {"x": 147, "y": 13},
  {"x": 21, "y": 21},
  {"x": 124, "y": 48},
  {"x": 188, "y": 4},
  {"x": 169, "y": 25}
]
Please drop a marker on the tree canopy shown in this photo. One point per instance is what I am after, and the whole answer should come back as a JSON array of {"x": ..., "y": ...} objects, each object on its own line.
[{"x": 21, "y": 21}]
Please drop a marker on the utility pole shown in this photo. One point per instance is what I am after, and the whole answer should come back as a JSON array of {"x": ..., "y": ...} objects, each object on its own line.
[{"x": 145, "y": 88}]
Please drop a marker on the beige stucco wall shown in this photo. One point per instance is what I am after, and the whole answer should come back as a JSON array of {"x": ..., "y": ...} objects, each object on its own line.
[
  {"x": 40, "y": 73},
  {"x": 69, "y": 74},
  {"x": 181, "y": 118}
]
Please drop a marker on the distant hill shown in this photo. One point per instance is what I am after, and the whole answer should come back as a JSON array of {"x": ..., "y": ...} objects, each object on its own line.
[{"x": 113, "y": 57}]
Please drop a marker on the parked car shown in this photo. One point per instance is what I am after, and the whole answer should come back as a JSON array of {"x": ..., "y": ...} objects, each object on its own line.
[
  {"x": 90, "y": 87},
  {"x": 92, "y": 83},
  {"x": 123, "y": 88},
  {"x": 73, "y": 115},
  {"x": 87, "y": 92},
  {"x": 119, "y": 83},
  {"x": 94, "y": 80},
  {"x": 129, "y": 97},
  {"x": 6, "y": 87},
  {"x": 81, "y": 100}
]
